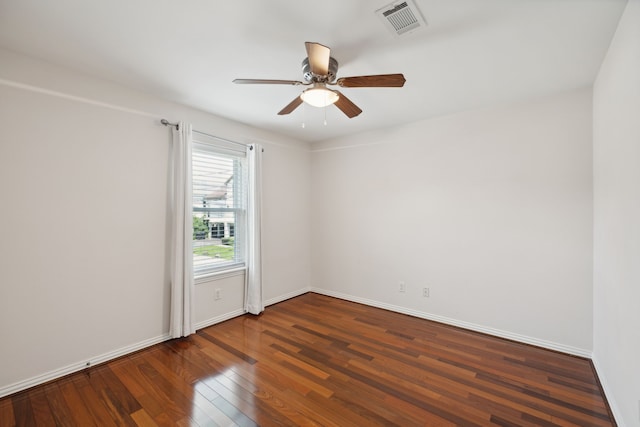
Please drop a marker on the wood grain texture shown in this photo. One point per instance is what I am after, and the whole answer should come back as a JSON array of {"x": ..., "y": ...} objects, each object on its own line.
[
  {"x": 347, "y": 106},
  {"x": 297, "y": 101},
  {"x": 380, "y": 80},
  {"x": 320, "y": 361}
]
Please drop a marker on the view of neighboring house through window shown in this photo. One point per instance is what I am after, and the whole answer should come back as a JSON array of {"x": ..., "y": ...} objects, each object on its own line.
[{"x": 219, "y": 205}]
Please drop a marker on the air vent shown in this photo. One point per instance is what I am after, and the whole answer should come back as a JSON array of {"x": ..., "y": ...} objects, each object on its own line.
[{"x": 401, "y": 17}]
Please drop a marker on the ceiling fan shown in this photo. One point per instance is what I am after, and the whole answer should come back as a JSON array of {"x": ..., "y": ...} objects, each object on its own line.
[{"x": 319, "y": 69}]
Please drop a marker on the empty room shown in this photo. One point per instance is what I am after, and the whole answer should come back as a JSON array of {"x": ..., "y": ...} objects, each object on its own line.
[{"x": 418, "y": 213}]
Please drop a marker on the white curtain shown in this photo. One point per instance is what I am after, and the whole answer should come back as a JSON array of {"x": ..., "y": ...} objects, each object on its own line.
[
  {"x": 182, "y": 287},
  {"x": 253, "y": 302}
]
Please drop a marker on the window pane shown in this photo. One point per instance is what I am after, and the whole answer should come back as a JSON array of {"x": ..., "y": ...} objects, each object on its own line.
[{"x": 219, "y": 201}]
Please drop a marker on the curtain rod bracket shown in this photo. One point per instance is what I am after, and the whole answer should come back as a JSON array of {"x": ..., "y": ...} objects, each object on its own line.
[{"x": 167, "y": 123}]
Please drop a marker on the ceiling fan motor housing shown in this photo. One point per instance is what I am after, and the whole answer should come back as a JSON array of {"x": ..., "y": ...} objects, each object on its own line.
[{"x": 309, "y": 77}]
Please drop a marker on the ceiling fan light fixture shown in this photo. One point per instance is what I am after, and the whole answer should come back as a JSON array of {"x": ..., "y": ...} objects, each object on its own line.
[{"x": 319, "y": 96}]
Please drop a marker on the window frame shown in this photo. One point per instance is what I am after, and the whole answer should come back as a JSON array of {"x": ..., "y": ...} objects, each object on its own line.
[{"x": 204, "y": 145}]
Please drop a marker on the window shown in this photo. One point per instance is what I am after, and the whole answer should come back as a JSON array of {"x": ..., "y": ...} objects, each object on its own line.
[{"x": 219, "y": 197}]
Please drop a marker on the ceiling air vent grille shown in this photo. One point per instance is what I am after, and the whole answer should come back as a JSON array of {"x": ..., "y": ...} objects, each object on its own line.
[{"x": 401, "y": 17}]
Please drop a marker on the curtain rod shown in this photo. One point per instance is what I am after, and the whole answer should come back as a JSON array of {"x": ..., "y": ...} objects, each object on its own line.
[
  {"x": 177, "y": 125},
  {"x": 222, "y": 139}
]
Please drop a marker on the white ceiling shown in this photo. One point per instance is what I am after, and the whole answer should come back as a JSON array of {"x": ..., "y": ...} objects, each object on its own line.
[{"x": 473, "y": 53}]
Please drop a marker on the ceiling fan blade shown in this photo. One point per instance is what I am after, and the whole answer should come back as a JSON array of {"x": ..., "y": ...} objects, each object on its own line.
[
  {"x": 291, "y": 106},
  {"x": 266, "y": 82},
  {"x": 318, "y": 58},
  {"x": 380, "y": 80},
  {"x": 346, "y": 106}
]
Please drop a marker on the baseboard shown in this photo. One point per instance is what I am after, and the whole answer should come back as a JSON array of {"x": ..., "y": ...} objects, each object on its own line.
[
  {"x": 606, "y": 389},
  {"x": 78, "y": 366},
  {"x": 74, "y": 367},
  {"x": 286, "y": 296},
  {"x": 240, "y": 312},
  {"x": 219, "y": 319},
  {"x": 461, "y": 324}
]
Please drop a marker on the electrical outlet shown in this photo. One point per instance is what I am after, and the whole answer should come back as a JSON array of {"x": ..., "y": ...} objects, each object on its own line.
[
  {"x": 402, "y": 287},
  {"x": 217, "y": 294},
  {"x": 425, "y": 292}
]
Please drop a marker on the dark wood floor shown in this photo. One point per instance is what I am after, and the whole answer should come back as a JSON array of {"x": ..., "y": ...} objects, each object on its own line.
[{"x": 315, "y": 360}]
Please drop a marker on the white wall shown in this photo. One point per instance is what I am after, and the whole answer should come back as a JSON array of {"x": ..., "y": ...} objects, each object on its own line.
[
  {"x": 83, "y": 220},
  {"x": 287, "y": 239},
  {"x": 490, "y": 209},
  {"x": 616, "y": 128}
]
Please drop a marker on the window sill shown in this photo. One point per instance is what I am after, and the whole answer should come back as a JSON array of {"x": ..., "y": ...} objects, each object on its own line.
[{"x": 219, "y": 275}]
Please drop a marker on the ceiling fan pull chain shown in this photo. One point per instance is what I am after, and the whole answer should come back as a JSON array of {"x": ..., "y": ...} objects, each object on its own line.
[
  {"x": 326, "y": 102},
  {"x": 304, "y": 115}
]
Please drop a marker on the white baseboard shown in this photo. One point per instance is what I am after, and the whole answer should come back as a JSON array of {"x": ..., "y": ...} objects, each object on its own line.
[
  {"x": 74, "y": 367},
  {"x": 240, "y": 312},
  {"x": 607, "y": 391},
  {"x": 78, "y": 366},
  {"x": 459, "y": 323},
  {"x": 286, "y": 296},
  {"x": 219, "y": 319}
]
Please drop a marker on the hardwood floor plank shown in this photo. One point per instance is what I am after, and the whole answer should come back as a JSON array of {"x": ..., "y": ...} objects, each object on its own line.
[
  {"x": 241, "y": 394},
  {"x": 79, "y": 411},
  {"x": 319, "y": 361},
  {"x": 233, "y": 413},
  {"x": 143, "y": 419},
  {"x": 62, "y": 414},
  {"x": 212, "y": 411},
  {"x": 274, "y": 390},
  {"x": 42, "y": 414},
  {"x": 119, "y": 404},
  {"x": 229, "y": 348},
  {"x": 120, "y": 370},
  {"x": 7, "y": 417},
  {"x": 23, "y": 410},
  {"x": 302, "y": 366},
  {"x": 348, "y": 394},
  {"x": 92, "y": 400},
  {"x": 155, "y": 401},
  {"x": 172, "y": 390}
]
